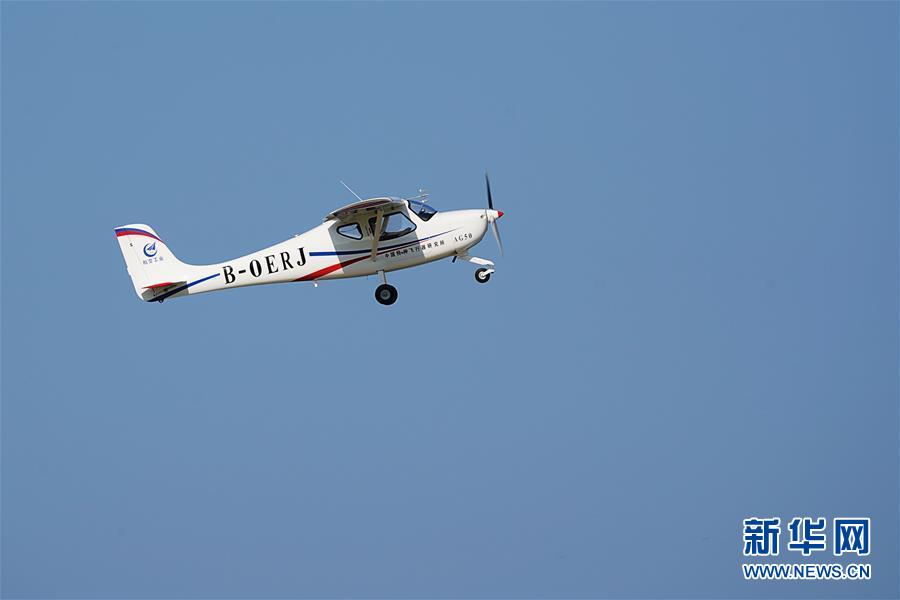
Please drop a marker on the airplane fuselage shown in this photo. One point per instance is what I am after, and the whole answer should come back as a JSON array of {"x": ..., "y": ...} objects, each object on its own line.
[{"x": 322, "y": 253}]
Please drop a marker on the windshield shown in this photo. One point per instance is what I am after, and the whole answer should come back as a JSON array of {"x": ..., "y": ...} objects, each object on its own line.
[{"x": 424, "y": 211}]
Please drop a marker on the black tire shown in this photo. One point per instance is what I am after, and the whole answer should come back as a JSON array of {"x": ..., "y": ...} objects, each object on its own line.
[
  {"x": 482, "y": 275},
  {"x": 386, "y": 294}
]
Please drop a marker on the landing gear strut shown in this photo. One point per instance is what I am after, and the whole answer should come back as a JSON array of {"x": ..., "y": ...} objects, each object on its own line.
[
  {"x": 385, "y": 293},
  {"x": 483, "y": 274}
]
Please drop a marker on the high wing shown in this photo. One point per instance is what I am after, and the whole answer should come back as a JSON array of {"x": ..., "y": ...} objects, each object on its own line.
[
  {"x": 370, "y": 206},
  {"x": 376, "y": 207}
]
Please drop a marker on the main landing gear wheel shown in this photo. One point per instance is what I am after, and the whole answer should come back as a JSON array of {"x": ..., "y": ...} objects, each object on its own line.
[
  {"x": 386, "y": 294},
  {"x": 482, "y": 275}
]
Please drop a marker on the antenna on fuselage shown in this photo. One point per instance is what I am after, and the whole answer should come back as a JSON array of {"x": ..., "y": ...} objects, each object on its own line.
[
  {"x": 423, "y": 195},
  {"x": 351, "y": 191}
]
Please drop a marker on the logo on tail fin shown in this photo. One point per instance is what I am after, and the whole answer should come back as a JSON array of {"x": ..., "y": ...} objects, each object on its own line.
[{"x": 150, "y": 249}]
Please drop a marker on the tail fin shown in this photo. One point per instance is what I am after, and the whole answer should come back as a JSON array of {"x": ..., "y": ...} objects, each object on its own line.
[{"x": 150, "y": 263}]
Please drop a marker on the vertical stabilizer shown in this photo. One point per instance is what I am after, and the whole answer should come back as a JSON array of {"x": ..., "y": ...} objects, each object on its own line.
[{"x": 150, "y": 263}]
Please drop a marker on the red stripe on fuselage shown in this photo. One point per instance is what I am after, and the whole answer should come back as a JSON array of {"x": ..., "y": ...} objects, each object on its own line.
[{"x": 330, "y": 269}]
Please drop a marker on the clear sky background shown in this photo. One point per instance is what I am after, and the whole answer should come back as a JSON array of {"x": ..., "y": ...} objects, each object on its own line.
[{"x": 696, "y": 320}]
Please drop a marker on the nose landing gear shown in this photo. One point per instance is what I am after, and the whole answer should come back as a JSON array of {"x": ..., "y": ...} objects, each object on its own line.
[{"x": 483, "y": 275}]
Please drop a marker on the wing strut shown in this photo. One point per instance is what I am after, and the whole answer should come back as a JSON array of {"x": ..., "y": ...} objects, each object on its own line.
[{"x": 379, "y": 221}]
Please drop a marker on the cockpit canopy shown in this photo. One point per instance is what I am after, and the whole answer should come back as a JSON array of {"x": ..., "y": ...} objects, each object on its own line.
[{"x": 423, "y": 210}]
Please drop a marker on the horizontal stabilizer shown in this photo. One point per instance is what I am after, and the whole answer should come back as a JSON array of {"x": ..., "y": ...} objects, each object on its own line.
[
  {"x": 162, "y": 285},
  {"x": 151, "y": 292}
]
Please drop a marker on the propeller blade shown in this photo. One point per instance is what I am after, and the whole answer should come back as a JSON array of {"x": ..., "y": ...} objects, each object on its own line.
[
  {"x": 497, "y": 236},
  {"x": 488, "y": 183}
]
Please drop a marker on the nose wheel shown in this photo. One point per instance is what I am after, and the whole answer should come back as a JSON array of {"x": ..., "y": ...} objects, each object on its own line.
[{"x": 486, "y": 267}]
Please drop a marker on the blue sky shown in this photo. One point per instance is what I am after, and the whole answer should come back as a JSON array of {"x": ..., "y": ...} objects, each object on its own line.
[{"x": 696, "y": 319}]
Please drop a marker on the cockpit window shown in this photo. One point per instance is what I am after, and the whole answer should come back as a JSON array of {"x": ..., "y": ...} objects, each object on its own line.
[
  {"x": 424, "y": 211},
  {"x": 351, "y": 231},
  {"x": 395, "y": 225}
]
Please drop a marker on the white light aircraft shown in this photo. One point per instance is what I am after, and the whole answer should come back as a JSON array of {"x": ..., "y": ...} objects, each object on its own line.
[{"x": 368, "y": 237}]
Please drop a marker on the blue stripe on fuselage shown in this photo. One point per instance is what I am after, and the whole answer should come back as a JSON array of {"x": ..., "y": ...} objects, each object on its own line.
[{"x": 350, "y": 252}]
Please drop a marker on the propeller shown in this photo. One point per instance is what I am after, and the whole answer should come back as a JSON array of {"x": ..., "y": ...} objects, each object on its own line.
[{"x": 492, "y": 219}]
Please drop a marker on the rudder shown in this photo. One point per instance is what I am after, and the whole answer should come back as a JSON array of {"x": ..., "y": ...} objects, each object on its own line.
[{"x": 149, "y": 261}]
